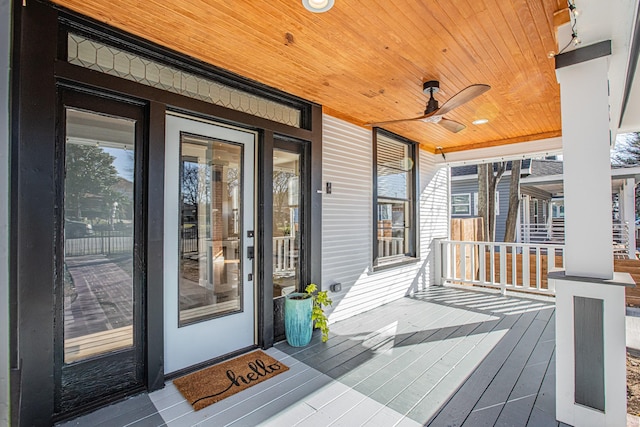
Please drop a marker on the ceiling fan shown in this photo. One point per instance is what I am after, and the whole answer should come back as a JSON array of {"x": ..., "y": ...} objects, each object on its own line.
[{"x": 433, "y": 114}]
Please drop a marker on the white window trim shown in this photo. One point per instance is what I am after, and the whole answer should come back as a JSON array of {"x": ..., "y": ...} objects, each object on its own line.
[
  {"x": 475, "y": 203},
  {"x": 412, "y": 216},
  {"x": 468, "y": 204}
]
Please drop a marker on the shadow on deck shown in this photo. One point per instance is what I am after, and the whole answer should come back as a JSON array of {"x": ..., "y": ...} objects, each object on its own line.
[{"x": 445, "y": 356}]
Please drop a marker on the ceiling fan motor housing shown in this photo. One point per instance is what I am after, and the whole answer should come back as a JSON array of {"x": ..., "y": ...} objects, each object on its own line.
[{"x": 431, "y": 87}]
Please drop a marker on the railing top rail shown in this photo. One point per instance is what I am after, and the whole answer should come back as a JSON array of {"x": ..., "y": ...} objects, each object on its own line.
[{"x": 523, "y": 245}]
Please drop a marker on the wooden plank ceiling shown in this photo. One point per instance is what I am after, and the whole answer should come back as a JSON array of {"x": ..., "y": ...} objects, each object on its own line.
[{"x": 365, "y": 61}]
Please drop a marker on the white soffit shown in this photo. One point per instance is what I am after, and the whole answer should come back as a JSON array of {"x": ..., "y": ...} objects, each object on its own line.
[
  {"x": 522, "y": 150},
  {"x": 631, "y": 118}
]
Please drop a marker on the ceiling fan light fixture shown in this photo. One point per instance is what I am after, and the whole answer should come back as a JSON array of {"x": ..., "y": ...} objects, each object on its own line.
[
  {"x": 480, "y": 121},
  {"x": 318, "y": 6}
]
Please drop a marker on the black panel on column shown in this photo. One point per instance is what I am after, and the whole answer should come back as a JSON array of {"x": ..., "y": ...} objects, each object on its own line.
[{"x": 589, "y": 352}]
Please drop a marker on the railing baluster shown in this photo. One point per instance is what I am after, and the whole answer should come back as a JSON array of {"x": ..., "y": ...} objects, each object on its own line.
[
  {"x": 551, "y": 283},
  {"x": 503, "y": 269},
  {"x": 526, "y": 273},
  {"x": 437, "y": 263},
  {"x": 454, "y": 260},
  {"x": 473, "y": 249},
  {"x": 492, "y": 263},
  {"x": 447, "y": 266},
  {"x": 538, "y": 269},
  {"x": 514, "y": 266},
  {"x": 482, "y": 258},
  {"x": 463, "y": 262},
  {"x": 292, "y": 255},
  {"x": 280, "y": 244}
]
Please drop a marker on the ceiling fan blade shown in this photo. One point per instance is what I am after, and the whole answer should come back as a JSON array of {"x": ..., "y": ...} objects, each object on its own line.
[
  {"x": 424, "y": 116},
  {"x": 451, "y": 125},
  {"x": 462, "y": 97}
]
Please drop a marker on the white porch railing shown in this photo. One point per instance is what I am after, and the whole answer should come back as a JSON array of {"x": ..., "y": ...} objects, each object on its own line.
[
  {"x": 284, "y": 254},
  {"x": 390, "y": 246},
  {"x": 548, "y": 233},
  {"x": 621, "y": 240},
  {"x": 544, "y": 234},
  {"x": 534, "y": 233},
  {"x": 507, "y": 266}
]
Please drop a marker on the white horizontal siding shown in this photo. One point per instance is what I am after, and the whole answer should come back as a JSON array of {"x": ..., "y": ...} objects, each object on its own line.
[
  {"x": 347, "y": 222},
  {"x": 434, "y": 209}
]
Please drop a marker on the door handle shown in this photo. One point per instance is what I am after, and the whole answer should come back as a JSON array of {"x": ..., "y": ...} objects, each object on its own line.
[{"x": 250, "y": 252}]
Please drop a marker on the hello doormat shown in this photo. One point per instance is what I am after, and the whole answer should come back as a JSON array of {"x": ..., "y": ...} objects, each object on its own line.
[{"x": 215, "y": 383}]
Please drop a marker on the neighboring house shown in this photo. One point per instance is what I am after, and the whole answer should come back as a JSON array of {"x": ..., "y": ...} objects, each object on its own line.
[
  {"x": 464, "y": 195},
  {"x": 548, "y": 177},
  {"x": 541, "y": 211}
]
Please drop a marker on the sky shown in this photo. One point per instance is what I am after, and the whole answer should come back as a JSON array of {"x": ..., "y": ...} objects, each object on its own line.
[{"x": 123, "y": 162}]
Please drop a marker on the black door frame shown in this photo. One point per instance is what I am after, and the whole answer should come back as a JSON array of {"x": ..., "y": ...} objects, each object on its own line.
[
  {"x": 272, "y": 319},
  {"x": 40, "y": 69}
]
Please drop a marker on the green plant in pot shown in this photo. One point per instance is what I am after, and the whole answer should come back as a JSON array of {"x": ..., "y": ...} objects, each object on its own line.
[{"x": 303, "y": 311}]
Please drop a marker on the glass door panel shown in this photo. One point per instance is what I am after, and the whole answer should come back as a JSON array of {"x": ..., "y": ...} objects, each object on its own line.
[
  {"x": 210, "y": 279},
  {"x": 98, "y": 237},
  {"x": 286, "y": 222}
]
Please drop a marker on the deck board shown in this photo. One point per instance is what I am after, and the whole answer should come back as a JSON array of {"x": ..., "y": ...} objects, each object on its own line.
[
  {"x": 126, "y": 412},
  {"x": 445, "y": 356},
  {"x": 462, "y": 403},
  {"x": 459, "y": 368},
  {"x": 505, "y": 380}
]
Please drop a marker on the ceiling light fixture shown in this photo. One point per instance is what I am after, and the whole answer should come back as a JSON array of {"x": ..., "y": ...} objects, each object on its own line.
[
  {"x": 573, "y": 17},
  {"x": 318, "y": 6},
  {"x": 480, "y": 121},
  {"x": 573, "y": 9},
  {"x": 575, "y": 39}
]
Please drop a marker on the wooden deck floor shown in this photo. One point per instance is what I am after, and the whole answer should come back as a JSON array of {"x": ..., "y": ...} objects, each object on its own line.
[{"x": 446, "y": 356}]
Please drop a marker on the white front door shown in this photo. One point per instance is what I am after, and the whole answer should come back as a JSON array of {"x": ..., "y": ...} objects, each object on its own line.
[{"x": 209, "y": 307}]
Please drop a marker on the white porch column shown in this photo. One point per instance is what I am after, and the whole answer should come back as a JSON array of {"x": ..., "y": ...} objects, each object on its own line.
[
  {"x": 587, "y": 168},
  {"x": 5, "y": 37},
  {"x": 628, "y": 201},
  {"x": 590, "y": 316}
]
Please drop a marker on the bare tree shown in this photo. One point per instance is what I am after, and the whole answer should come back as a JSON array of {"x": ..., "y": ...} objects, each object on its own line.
[
  {"x": 514, "y": 202},
  {"x": 190, "y": 184},
  {"x": 488, "y": 178},
  {"x": 280, "y": 202},
  {"x": 483, "y": 212},
  {"x": 627, "y": 153},
  {"x": 627, "y": 150}
]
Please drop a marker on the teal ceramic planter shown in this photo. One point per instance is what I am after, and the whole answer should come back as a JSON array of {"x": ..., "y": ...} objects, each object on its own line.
[{"x": 297, "y": 319}]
